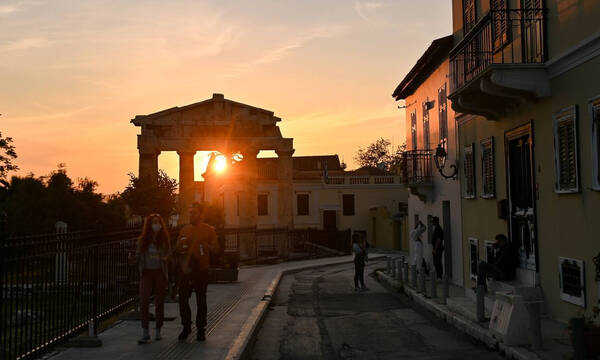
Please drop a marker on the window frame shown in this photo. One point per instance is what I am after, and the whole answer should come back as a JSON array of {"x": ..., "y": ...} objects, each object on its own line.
[
  {"x": 298, "y": 204},
  {"x": 258, "y": 208},
  {"x": 469, "y": 153},
  {"x": 353, "y": 212},
  {"x": 482, "y": 144},
  {"x": 558, "y": 117},
  {"x": 594, "y": 108},
  {"x": 576, "y": 300}
]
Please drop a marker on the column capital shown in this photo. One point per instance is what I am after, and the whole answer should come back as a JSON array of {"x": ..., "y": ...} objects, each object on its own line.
[
  {"x": 149, "y": 152},
  {"x": 285, "y": 152},
  {"x": 185, "y": 153}
]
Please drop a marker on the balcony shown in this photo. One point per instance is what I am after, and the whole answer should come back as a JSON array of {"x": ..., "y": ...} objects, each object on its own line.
[
  {"x": 416, "y": 171},
  {"x": 499, "y": 64}
]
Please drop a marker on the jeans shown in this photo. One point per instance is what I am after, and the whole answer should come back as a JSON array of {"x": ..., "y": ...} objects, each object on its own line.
[
  {"x": 196, "y": 281},
  {"x": 152, "y": 281},
  {"x": 359, "y": 274}
]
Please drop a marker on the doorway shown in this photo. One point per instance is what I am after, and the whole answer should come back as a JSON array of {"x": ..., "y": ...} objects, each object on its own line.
[
  {"x": 521, "y": 195},
  {"x": 329, "y": 220},
  {"x": 447, "y": 238}
]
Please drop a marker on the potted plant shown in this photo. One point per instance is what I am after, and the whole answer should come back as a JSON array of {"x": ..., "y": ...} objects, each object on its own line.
[{"x": 590, "y": 333}]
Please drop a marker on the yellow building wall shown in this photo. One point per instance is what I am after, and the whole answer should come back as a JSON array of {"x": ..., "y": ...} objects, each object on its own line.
[{"x": 568, "y": 225}]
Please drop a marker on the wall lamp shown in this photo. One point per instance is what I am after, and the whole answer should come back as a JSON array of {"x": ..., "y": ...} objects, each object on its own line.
[{"x": 440, "y": 158}]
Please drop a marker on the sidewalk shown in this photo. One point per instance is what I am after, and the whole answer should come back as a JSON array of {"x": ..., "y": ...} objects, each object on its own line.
[
  {"x": 234, "y": 313},
  {"x": 460, "y": 312}
]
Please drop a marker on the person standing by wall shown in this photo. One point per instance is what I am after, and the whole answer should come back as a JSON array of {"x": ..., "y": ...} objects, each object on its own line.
[
  {"x": 415, "y": 237},
  {"x": 360, "y": 256},
  {"x": 195, "y": 243},
  {"x": 437, "y": 241},
  {"x": 152, "y": 253}
]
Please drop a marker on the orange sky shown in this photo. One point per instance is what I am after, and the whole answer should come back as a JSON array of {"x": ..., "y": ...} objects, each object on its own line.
[{"x": 75, "y": 72}]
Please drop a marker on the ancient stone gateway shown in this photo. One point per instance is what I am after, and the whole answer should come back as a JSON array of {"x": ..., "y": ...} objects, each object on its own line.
[{"x": 222, "y": 125}]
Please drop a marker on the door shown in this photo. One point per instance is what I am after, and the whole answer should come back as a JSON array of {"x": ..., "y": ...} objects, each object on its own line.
[
  {"x": 329, "y": 220},
  {"x": 521, "y": 195}
]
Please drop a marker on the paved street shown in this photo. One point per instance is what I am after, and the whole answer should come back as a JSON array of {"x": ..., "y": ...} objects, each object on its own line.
[{"x": 317, "y": 315}]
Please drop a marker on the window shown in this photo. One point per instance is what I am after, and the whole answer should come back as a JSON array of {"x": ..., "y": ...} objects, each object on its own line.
[
  {"x": 572, "y": 280},
  {"x": 469, "y": 15},
  {"x": 488, "y": 174},
  {"x": 302, "y": 204},
  {"x": 490, "y": 251},
  {"x": 565, "y": 150},
  {"x": 263, "y": 204},
  {"x": 595, "y": 111},
  {"x": 348, "y": 204},
  {"x": 413, "y": 129},
  {"x": 469, "y": 168},
  {"x": 426, "y": 125},
  {"x": 443, "y": 114},
  {"x": 500, "y": 23},
  {"x": 474, "y": 257}
]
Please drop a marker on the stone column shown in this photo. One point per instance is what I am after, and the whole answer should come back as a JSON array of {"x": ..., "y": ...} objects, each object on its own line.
[
  {"x": 186, "y": 184},
  {"x": 249, "y": 205},
  {"x": 148, "y": 166},
  {"x": 285, "y": 173}
]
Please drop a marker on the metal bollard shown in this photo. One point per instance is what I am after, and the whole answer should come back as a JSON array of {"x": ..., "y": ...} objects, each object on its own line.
[
  {"x": 480, "y": 303},
  {"x": 389, "y": 265},
  {"x": 405, "y": 273},
  {"x": 399, "y": 269},
  {"x": 535, "y": 324},
  {"x": 445, "y": 288},
  {"x": 433, "y": 285},
  {"x": 422, "y": 287},
  {"x": 393, "y": 274},
  {"x": 413, "y": 276}
]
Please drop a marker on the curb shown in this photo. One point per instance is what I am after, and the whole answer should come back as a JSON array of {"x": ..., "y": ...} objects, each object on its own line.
[
  {"x": 459, "y": 322},
  {"x": 240, "y": 346}
]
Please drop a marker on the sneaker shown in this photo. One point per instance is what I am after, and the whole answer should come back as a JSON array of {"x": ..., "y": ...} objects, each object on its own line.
[
  {"x": 144, "y": 340},
  {"x": 201, "y": 335},
  {"x": 184, "y": 333}
]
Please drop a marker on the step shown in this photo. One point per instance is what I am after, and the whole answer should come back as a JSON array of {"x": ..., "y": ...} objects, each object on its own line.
[
  {"x": 528, "y": 292},
  {"x": 467, "y": 307}
]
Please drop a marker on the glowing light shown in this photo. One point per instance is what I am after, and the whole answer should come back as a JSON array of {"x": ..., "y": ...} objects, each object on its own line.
[{"x": 220, "y": 163}]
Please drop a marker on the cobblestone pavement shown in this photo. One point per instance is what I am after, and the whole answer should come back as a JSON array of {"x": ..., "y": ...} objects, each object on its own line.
[{"x": 317, "y": 315}]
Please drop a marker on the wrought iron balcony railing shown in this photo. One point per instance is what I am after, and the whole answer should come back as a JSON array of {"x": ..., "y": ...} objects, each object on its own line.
[
  {"x": 417, "y": 167},
  {"x": 513, "y": 36}
]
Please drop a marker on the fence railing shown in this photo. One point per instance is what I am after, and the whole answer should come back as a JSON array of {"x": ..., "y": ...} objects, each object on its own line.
[
  {"x": 416, "y": 166},
  {"x": 53, "y": 286},
  {"x": 513, "y": 36}
]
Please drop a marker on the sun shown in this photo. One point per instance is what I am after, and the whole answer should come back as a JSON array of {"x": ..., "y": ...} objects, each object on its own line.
[{"x": 220, "y": 163}]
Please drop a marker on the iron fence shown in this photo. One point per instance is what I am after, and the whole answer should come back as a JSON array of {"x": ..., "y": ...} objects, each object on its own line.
[
  {"x": 512, "y": 36},
  {"x": 53, "y": 286}
]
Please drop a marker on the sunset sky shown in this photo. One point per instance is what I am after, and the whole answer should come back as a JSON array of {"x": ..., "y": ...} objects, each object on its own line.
[{"x": 73, "y": 73}]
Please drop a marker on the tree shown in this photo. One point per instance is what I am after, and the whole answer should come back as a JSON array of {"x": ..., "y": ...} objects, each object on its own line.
[
  {"x": 380, "y": 153},
  {"x": 145, "y": 197},
  {"x": 7, "y": 155},
  {"x": 214, "y": 215}
]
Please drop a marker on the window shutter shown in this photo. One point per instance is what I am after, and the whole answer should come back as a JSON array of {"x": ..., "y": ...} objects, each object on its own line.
[
  {"x": 488, "y": 168},
  {"x": 443, "y": 113},
  {"x": 469, "y": 14},
  {"x": 426, "y": 139},
  {"x": 413, "y": 129},
  {"x": 469, "y": 169},
  {"x": 500, "y": 23},
  {"x": 565, "y": 138}
]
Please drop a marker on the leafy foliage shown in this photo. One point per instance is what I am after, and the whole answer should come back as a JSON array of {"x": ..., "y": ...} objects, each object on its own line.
[
  {"x": 34, "y": 204},
  {"x": 214, "y": 215},
  {"x": 7, "y": 155},
  {"x": 146, "y": 197},
  {"x": 380, "y": 153}
]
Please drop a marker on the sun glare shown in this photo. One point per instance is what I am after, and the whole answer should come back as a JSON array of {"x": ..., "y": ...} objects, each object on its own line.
[{"x": 220, "y": 163}]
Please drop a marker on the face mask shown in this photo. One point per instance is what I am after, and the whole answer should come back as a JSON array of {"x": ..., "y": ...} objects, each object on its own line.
[{"x": 156, "y": 227}]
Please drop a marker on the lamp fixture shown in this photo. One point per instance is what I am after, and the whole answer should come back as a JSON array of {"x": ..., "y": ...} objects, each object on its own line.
[{"x": 440, "y": 158}]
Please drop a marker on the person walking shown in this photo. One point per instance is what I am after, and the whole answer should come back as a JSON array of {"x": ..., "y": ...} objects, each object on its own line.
[
  {"x": 152, "y": 253},
  {"x": 437, "y": 241},
  {"x": 360, "y": 257},
  {"x": 194, "y": 244},
  {"x": 502, "y": 267},
  {"x": 415, "y": 236}
]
